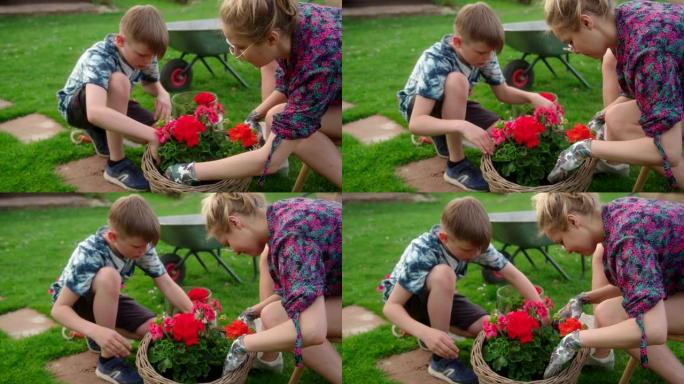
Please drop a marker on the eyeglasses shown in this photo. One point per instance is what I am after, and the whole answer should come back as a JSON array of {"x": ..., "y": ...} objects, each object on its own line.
[{"x": 232, "y": 49}]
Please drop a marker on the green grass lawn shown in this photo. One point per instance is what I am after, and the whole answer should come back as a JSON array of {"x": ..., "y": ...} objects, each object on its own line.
[
  {"x": 375, "y": 236},
  {"x": 39, "y": 53},
  {"x": 35, "y": 245},
  {"x": 379, "y": 55}
]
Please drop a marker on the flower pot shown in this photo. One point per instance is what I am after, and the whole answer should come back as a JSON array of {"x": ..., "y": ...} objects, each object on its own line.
[
  {"x": 508, "y": 299},
  {"x": 184, "y": 103},
  {"x": 486, "y": 375}
]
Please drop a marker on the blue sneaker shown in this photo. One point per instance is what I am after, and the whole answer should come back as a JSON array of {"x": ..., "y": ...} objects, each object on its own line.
[
  {"x": 441, "y": 147},
  {"x": 465, "y": 175},
  {"x": 99, "y": 138},
  {"x": 451, "y": 371},
  {"x": 92, "y": 345},
  {"x": 118, "y": 372},
  {"x": 126, "y": 175}
]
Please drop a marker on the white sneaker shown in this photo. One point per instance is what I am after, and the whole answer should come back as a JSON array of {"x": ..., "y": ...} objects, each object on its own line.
[
  {"x": 275, "y": 366},
  {"x": 284, "y": 170},
  {"x": 602, "y": 166},
  {"x": 607, "y": 362}
]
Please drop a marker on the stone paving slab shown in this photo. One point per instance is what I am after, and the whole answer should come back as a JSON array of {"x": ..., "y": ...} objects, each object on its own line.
[
  {"x": 5, "y": 104},
  {"x": 396, "y": 10},
  {"x": 86, "y": 175},
  {"x": 24, "y": 323},
  {"x": 42, "y": 200},
  {"x": 426, "y": 175},
  {"x": 76, "y": 369},
  {"x": 345, "y": 105},
  {"x": 357, "y": 320},
  {"x": 409, "y": 368},
  {"x": 32, "y": 127},
  {"x": 44, "y": 8},
  {"x": 373, "y": 129}
]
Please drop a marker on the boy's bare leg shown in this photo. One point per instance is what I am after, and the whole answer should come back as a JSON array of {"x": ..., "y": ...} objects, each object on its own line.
[
  {"x": 441, "y": 283},
  {"x": 118, "y": 95},
  {"x": 454, "y": 104},
  {"x": 106, "y": 287}
]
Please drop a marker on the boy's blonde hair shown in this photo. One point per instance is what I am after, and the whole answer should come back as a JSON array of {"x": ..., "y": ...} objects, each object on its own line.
[
  {"x": 564, "y": 15},
  {"x": 254, "y": 19},
  {"x": 553, "y": 208},
  {"x": 465, "y": 219},
  {"x": 479, "y": 23},
  {"x": 144, "y": 24},
  {"x": 132, "y": 216},
  {"x": 218, "y": 206}
]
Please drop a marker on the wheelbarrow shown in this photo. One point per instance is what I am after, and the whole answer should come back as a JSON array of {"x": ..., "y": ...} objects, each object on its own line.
[
  {"x": 519, "y": 230},
  {"x": 188, "y": 232},
  {"x": 201, "y": 38},
  {"x": 534, "y": 38}
]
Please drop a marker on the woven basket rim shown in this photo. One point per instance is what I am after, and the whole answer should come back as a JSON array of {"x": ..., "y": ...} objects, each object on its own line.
[
  {"x": 150, "y": 376},
  {"x": 159, "y": 183},
  {"x": 487, "y": 376},
  {"x": 579, "y": 181}
]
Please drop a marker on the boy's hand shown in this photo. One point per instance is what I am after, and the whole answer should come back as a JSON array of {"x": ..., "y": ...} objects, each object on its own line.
[
  {"x": 541, "y": 101},
  {"x": 480, "y": 138},
  {"x": 162, "y": 106},
  {"x": 154, "y": 148},
  {"x": 569, "y": 160},
  {"x": 563, "y": 353},
  {"x": 111, "y": 342},
  {"x": 440, "y": 343}
]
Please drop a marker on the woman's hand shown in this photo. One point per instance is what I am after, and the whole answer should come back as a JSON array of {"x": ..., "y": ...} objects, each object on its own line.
[
  {"x": 564, "y": 352},
  {"x": 569, "y": 160},
  {"x": 236, "y": 356},
  {"x": 183, "y": 173}
]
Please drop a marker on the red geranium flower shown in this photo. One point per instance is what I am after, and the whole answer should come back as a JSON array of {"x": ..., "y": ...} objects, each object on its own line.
[
  {"x": 526, "y": 131},
  {"x": 186, "y": 328},
  {"x": 204, "y": 98},
  {"x": 187, "y": 129},
  {"x": 198, "y": 294},
  {"x": 578, "y": 132},
  {"x": 520, "y": 326},
  {"x": 242, "y": 133},
  {"x": 568, "y": 326},
  {"x": 236, "y": 329}
]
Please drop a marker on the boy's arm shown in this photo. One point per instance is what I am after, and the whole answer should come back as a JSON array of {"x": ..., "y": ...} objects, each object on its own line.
[
  {"x": 437, "y": 341},
  {"x": 422, "y": 123},
  {"x": 520, "y": 282},
  {"x": 162, "y": 101},
  {"x": 108, "y": 339},
  {"x": 173, "y": 293},
  {"x": 512, "y": 95}
]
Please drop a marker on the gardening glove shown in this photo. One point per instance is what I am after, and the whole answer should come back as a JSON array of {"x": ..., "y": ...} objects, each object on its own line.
[
  {"x": 564, "y": 352},
  {"x": 248, "y": 316},
  {"x": 570, "y": 159},
  {"x": 236, "y": 356},
  {"x": 597, "y": 125},
  {"x": 253, "y": 121},
  {"x": 182, "y": 173},
  {"x": 573, "y": 308}
]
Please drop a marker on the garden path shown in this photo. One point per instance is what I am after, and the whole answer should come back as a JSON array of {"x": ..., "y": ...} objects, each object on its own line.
[
  {"x": 24, "y": 322},
  {"x": 356, "y": 320}
]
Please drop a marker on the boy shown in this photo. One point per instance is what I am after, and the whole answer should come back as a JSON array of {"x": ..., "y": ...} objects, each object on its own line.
[
  {"x": 87, "y": 296},
  {"x": 420, "y": 294},
  {"x": 435, "y": 102},
  {"x": 97, "y": 94}
]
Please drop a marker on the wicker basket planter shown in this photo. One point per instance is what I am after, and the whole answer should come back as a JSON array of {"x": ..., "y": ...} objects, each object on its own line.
[
  {"x": 150, "y": 376},
  {"x": 487, "y": 376},
  {"x": 159, "y": 183},
  {"x": 579, "y": 181}
]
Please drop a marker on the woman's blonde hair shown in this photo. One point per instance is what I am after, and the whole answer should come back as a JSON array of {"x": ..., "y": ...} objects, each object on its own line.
[
  {"x": 564, "y": 15},
  {"x": 218, "y": 206},
  {"x": 254, "y": 19},
  {"x": 553, "y": 208},
  {"x": 132, "y": 216}
]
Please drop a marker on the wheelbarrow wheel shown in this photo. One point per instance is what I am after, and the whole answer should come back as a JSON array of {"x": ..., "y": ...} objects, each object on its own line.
[
  {"x": 515, "y": 75},
  {"x": 174, "y": 77},
  {"x": 491, "y": 276},
  {"x": 170, "y": 261}
]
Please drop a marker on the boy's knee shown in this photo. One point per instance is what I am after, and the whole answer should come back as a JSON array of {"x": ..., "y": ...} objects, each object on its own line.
[
  {"x": 442, "y": 276},
  {"x": 107, "y": 279},
  {"x": 119, "y": 85},
  {"x": 457, "y": 82}
]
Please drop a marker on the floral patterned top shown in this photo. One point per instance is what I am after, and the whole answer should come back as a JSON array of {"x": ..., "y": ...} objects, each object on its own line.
[
  {"x": 305, "y": 254},
  {"x": 644, "y": 253},
  {"x": 311, "y": 77},
  {"x": 650, "y": 65}
]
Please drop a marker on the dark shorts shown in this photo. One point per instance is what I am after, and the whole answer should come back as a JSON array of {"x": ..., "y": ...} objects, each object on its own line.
[
  {"x": 77, "y": 115},
  {"x": 129, "y": 316},
  {"x": 475, "y": 113},
  {"x": 463, "y": 312}
]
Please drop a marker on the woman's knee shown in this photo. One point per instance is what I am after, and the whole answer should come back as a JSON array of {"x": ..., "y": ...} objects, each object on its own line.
[
  {"x": 107, "y": 279},
  {"x": 609, "y": 312},
  {"x": 272, "y": 315},
  {"x": 272, "y": 112}
]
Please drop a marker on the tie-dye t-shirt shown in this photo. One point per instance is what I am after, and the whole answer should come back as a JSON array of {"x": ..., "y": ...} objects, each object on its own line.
[
  {"x": 644, "y": 251},
  {"x": 305, "y": 254},
  {"x": 425, "y": 253},
  {"x": 96, "y": 65},
  {"x": 93, "y": 254},
  {"x": 650, "y": 64},
  {"x": 436, "y": 63}
]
